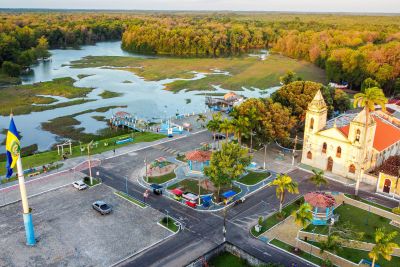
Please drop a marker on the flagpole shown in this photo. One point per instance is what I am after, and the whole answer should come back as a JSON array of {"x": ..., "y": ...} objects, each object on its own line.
[{"x": 29, "y": 231}]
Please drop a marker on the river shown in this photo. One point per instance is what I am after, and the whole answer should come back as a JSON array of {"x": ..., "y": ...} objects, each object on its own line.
[{"x": 146, "y": 99}]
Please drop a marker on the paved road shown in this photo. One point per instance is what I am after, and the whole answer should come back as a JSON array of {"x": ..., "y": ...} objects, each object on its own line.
[{"x": 203, "y": 231}]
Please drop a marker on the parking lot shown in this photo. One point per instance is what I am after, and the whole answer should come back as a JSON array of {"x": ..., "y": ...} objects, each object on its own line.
[{"x": 71, "y": 233}]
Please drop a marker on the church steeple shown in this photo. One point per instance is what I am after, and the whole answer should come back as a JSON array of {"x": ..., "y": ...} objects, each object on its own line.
[
  {"x": 318, "y": 103},
  {"x": 316, "y": 114}
]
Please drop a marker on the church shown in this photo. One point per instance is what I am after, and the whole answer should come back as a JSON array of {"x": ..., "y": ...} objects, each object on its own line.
[{"x": 336, "y": 146}]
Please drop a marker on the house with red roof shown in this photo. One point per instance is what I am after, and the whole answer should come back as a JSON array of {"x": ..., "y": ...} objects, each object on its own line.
[{"x": 337, "y": 145}]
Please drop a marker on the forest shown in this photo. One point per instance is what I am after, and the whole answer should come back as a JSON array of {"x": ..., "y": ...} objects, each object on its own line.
[{"x": 350, "y": 48}]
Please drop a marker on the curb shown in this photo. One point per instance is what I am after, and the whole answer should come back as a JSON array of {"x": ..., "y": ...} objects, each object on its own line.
[{"x": 281, "y": 249}]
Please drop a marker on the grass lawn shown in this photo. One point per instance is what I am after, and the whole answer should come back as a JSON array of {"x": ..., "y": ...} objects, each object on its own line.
[
  {"x": 169, "y": 223},
  {"x": 245, "y": 71},
  {"x": 226, "y": 259},
  {"x": 86, "y": 180},
  {"x": 368, "y": 202},
  {"x": 273, "y": 219},
  {"x": 109, "y": 94},
  {"x": 20, "y": 98},
  {"x": 253, "y": 178},
  {"x": 131, "y": 199},
  {"x": 161, "y": 179},
  {"x": 302, "y": 254},
  {"x": 191, "y": 186},
  {"x": 356, "y": 255},
  {"x": 358, "y": 218},
  {"x": 52, "y": 156}
]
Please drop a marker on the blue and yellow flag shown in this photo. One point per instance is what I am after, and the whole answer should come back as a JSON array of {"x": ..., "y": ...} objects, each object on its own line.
[{"x": 12, "y": 147}]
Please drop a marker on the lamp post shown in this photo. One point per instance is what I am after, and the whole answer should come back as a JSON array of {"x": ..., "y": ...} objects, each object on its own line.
[
  {"x": 145, "y": 164},
  {"x": 90, "y": 166},
  {"x": 167, "y": 218},
  {"x": 224, "y": 228},
  {"x": 294, "y": 150}
]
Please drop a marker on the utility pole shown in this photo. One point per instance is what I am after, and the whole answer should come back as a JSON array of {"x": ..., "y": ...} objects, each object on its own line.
[
  {"x": 265, "y": 156},
  {"x": 145, "y": 164},
  {"x": 294, "y": 149},
  {"x": 224, "y": 228},
  {"x": 90, "y": 165}
]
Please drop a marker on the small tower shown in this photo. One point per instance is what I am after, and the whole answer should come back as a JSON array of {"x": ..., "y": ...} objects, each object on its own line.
[
  {"x": 357, "y": 131},
  {"x": 316, "y": 114}
]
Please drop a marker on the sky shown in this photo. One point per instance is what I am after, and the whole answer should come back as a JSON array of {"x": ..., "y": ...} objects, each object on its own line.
[{"x": 371, "y": 6}]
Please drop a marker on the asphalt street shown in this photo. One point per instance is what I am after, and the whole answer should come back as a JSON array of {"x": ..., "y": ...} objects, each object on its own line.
[{"x": 203, "y": 230}]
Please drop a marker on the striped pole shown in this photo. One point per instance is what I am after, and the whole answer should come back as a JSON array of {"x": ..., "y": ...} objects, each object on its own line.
[{"x": 29, "y": 231}]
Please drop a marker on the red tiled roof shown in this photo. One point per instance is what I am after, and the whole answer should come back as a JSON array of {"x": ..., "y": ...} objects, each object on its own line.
[
  {"x": 320, "y": 200},
  {"x": 198, "y": 155},
  {"x": 385, "y": 134}
]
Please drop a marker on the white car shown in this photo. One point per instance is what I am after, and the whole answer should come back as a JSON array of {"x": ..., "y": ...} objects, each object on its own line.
[{"x": 80, "y": 185}]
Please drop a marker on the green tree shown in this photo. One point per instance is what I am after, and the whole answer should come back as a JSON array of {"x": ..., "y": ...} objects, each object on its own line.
[
  {"x": 383, "y": 245},
  {"x": 332, "y": 243},
  {"x": 202, "y": 118},
  {"x": 341, "y": 100},
  {"x": 318, "y": 178},
  {"x": 227, "y": 164},
  {"x": 369, "y": 83},
  {"x": 227, "y": 127},
  {"x": 372, "y": 96},
  {"x": 11, "y": 69},
  {"x": 241, "y": 125},
  {"x": 289, "y": 77},
  {"x": 303, "y": 216},
  {"x": 41, "y": 48},
  {"x": 283, "y": 184},
  {"x": 213, "y": 125}
]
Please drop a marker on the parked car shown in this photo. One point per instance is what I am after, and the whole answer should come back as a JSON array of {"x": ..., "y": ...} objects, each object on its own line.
[
  {"x": 157, "y": 189},
  {"x": 80, "y": 185},
  {"x": 102, "y": 207},
  {"x": 219, "y": 136}
]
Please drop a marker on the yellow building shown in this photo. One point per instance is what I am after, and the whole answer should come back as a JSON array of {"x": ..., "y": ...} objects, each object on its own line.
[
  {"x": 388, "y": 185},
  {"x": 336, "y": 145}
]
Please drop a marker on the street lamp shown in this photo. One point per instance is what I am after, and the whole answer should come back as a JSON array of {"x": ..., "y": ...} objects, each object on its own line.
[
  {"x": 145, "y": 164},
  {"x": 90, "y": 166},
  {"x": 167, "y": 218}
]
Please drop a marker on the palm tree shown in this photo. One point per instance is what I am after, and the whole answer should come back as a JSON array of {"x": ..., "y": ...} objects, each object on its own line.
[
  {"x": 227, "y": 127},
  {"x": 383, "y": 245},
  {"x": 372, "y": 96},
  {"x": 284, "y": 183},
  {"x": 332, "y": 243},
  {"x": 202, "y": 118},
  {"x": 241, "y": 125},
  {"x": 303, "y": 216},
  {"x": 318, "y": 178},
  {"x": 213, "y": 124}
]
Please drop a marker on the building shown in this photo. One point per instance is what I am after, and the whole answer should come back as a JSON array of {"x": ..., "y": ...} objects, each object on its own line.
[
  {"x": 336, "y": 145},
  {"x": 388, "y": 185}
]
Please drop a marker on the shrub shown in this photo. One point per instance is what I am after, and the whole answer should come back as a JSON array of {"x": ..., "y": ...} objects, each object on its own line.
[
  {"x": 260, "y": 220},
  {"x": 11, "y": 69},
  {"x": 86, "y": 179},
  {"x": 396, "y": 210},
  {"x": 280, "y": 215}
]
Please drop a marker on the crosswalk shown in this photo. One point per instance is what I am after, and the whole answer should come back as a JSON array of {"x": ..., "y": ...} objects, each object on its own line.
[{"x": 167, "y": 149}]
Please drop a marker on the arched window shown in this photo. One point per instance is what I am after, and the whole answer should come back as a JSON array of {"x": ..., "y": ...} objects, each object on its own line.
[
  {"x": 352, "y": 168},
  {"x": 338, "y": 152},
  {"x": 324, "y": 146},
  {"x": 309, "y": 155},
  {"x": 312, "y": 123},
  {"x": 358, "y": 133}
]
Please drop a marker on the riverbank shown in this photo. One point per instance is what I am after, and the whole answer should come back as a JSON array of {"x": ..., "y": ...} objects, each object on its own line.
[
  {"x": 228, "y": 73},
  {"x": 100, "y": 146},
  {"x": 24, "y": 99}
]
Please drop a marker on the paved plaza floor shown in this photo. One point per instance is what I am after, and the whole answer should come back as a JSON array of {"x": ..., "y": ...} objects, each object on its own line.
[{"x": 71, "y": 233}]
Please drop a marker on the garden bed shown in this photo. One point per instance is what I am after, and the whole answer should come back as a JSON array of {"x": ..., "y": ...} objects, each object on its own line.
[
  {"x": 161, "y": 179},
  {"x": 362, "y": 220},
  {"x": 169, "y": 223},
  {"x": 253, "y": 178},
  {"x": 300, "y": 253},
  {"x": 356, "y": 255},
  {"x": 272, "y": 220}
]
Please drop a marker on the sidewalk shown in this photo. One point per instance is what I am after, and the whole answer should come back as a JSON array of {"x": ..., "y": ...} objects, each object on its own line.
[{"x": 69, "y": 172}]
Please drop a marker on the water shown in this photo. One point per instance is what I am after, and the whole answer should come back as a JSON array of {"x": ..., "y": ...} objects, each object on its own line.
[{"x": 146, "y": 99}]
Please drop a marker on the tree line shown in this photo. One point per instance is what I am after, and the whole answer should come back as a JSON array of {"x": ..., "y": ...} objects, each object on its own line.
[{"x": 350, "y": 48}]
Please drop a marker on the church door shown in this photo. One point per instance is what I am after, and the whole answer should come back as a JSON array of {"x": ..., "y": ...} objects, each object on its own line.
[
  {"x": 386, "y": 187},
  {"x": 329, "y": 166}
]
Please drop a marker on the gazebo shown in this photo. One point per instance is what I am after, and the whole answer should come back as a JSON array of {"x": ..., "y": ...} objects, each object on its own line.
[
  {"x": 197, "y": 159},
  {"x": 323, "y": 206}
]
